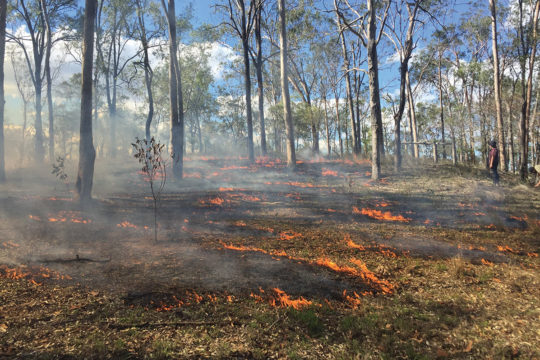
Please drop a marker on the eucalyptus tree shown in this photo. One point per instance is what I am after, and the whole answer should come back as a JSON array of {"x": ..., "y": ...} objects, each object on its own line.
[
  {"x": 25, "y": 90},
  {"x": 497, "y": 83},
  {"x": 241, "y": 19},
  {"x": 347, "y": 69},
  {"x": 87, "y": 152},
  {"x": 364, "y": 25},
  {"x": 149, "y": 28},
  {"x": 175, "y": 93},
  {"x": 3, "y": 14},
  {"x": 400, "y": 31},
  {"x": 526, "y": 41},
  {"x": 37, "y": 17},
  {"x": 285, "y": 97},
  {"x": 258, "y": 61}
]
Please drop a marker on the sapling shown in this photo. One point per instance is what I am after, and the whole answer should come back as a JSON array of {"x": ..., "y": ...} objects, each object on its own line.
[
  {"x": 150, "y": 155},
  {"x": 59, "y": 170}
]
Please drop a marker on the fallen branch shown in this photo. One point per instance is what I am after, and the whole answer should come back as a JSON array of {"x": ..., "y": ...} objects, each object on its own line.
[
  {"x": 160, "y": 324},
  {"x": 76, "y": 259}
]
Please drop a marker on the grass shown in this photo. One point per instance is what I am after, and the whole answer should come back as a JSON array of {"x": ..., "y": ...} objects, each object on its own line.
[{"x": 441, "y": 306}]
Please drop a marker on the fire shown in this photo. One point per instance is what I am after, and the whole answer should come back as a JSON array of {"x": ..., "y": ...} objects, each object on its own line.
[
  {"x": 331, "y": 210},
  {"x": 31, "y": 274},
  {"x": 506, "y": 248},
  {"x": 127, "y": 224},
  {"x": 532, "y": 254},
  {"x": 479, "y": 214},
  {"x": 382, "y": 204},
  {"x": 328, "y": 172},
  {"x": 240, "y": 223},
  {"x": 285, "y": 301},
  {"x": 366, "y": 274},
  {"x": 214, "y": 201},
  {"x": 10, "y": 244},
  {"x": 195, "y": 175},
  {"x": 379, "y": 215},
  {"x": 487, "y": 262},
  {"x": 355, "y": 300},
  {"x": 225, "y": 189},
  {"x": 352, "y": 244},
  {"x": 34, "y": 217},
  {"x": 289, "y": 235}
]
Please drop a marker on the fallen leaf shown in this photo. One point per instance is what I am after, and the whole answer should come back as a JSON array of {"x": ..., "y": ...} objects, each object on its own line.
[
  {"x": 469, "y": 346},
  {"x": 3, "y": 328}
]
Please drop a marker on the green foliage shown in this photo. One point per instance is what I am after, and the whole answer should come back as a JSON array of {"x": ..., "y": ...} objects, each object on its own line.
[
  {"x": 308, "y": 319},
  {"x": 59, "y": 169}
]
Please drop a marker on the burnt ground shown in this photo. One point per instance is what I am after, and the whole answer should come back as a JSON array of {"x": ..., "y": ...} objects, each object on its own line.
[{"x": 431, "y": 261}]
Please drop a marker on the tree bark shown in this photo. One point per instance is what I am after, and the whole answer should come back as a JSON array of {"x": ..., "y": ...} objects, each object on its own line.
[
  {"x": 346, "y": 66},
  {"x": 497, "y": 85},
  {"x": 259, "y": 68},
  {"x": 3, "y": 12},
  {"x": 414, "y": 127},
  {"x": 175, "y": 96},
  {"x": 87, "y": 153},
  {"x": 527, "y": 96},
  {"x": 48, "y": 76},
  {"x": 441, "y": 103},
  {"x": 285, "y": 97},
  {"x": 148, "y": 74},
  {"x": 374, "y": 98}
]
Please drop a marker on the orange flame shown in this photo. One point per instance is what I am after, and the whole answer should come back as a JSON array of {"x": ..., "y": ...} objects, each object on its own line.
[
  {"x": 379, "y": 215},
  {"x": 506, "y": 248},
  {"x": 352, "y": 244},
  {"x": 289, "y": 235},
  {"x": 285, "y": 301},
  {"x": 328, "y": 172},
  {"x": 487, "y": 262}
]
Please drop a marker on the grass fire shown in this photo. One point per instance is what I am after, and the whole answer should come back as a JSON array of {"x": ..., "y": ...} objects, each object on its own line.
[{"x": 257, "y": 251}]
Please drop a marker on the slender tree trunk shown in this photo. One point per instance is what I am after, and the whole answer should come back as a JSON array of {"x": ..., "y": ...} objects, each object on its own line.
[
  {"x": 176, "y": 113},
  {"x": 497, "y": 85},
  {"x": 374, "y": 97},
  {"x": 328, "y": 148},
  {"x": 3, "y": 12},
  {"x": 38, "y": 124},
  {"x": 49, "y": 79},
  {"x": 260, "y": 84},
  {"x": 338, "y": 121},
  {"x": 87, "y": 153},
  {"x": 346, "y": 67},
  {"x": 414, "y": 127},
  {"x": 287, "y": 113},
  {"x": 148, "y": 74},
  {"x": 527, "y": 97},
  {"x": 441, "y": 103}
]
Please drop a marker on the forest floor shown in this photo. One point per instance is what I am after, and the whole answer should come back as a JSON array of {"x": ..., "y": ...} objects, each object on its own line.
[{"x": 256, "y": 262}]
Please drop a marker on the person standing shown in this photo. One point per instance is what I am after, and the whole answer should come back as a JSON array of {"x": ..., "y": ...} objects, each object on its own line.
[{"x": 493, "y": 162}]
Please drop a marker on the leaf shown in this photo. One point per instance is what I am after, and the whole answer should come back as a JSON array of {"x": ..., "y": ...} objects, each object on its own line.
[
  {"x": 469, "y": 346},
  {"x": 3, "y": 328}
]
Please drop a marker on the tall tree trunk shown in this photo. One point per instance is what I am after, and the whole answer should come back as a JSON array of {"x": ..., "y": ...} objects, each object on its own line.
[
  {"x": 527, "y": 96},
  {"x": 148, "y": 73},
  {"x": 287, "y": 113},
  {"x": 346, "y": 67},
  {"x": 3, "y": 12},
  {"x": 176, "y": 113},
  {"x": 87, "y": 153},
  {"x": 414, "y": 127},
  {"x": 259, "y": 68},
  {"x": 374, "y": 97},
  {"x": 38, "y": 123},
  {"x": 497, "y": 85},
  {"x": 441, "y": 103},
  {"x": 338, "y": 121},
  {"x": 49, "y": 79},
  {"x": 328, "y": 146}
]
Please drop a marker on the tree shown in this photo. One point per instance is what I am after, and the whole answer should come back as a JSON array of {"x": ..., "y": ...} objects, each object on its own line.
[
  {"x": 285, "y": 97},
  {"x": 241, "y": 22},
  {"x": 3, "y": 13},
  {"x": 527, "y": 42},
  {"x": 496, "y": 84},
  {"x": 258, "y": 62},
  {"x": 37, "y": 16},
  {"x": 175, "y": 94},
  {"x": 87, "y": 153},
  {"x": 370, "y": 38},
  {"x": 404, "y": 47}
]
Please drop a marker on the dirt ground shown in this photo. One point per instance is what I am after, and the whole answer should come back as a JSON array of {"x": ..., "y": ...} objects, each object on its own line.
[{"x": 255, "y": 261}]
